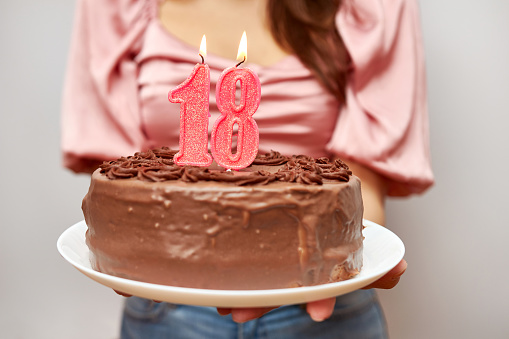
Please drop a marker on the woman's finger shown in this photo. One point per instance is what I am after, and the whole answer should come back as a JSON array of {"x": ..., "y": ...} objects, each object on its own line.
[
  {"x": 321, "y": 309},
  {"x": 391, "y": 279},
  {"x": 241, "y": 315}
]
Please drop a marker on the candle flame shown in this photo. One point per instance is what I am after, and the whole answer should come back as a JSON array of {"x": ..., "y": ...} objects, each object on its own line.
[
  {"x": 203, "y": 46},
  {"x": 242, "y": 53}
]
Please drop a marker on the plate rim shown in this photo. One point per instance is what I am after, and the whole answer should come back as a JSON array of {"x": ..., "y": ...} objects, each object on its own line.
[{"x": 231, "y": 298}]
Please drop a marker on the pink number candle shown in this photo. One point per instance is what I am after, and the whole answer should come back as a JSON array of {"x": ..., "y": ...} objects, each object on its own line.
[
  {"x": 193, "y": 96},
  {"x": 231, "y": 114}
]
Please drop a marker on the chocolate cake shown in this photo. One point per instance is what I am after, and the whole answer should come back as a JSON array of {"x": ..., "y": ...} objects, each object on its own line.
[{"x": 282, "y": 222}]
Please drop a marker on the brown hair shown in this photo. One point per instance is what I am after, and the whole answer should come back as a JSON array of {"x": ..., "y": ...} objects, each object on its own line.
[{"x": 307, "y": 28}]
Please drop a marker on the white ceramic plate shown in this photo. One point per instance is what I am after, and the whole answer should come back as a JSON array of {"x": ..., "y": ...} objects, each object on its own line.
[{"x": 382, "y": 251}]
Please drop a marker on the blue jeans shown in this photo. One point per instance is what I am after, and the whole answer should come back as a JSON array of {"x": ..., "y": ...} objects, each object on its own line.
[{"x": 357, "y": 315}]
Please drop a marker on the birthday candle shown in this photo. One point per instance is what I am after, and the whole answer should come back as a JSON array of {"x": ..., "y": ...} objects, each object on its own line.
[
  {"x": 193, "y": 96},
  {"x": 241, "y": 115}
]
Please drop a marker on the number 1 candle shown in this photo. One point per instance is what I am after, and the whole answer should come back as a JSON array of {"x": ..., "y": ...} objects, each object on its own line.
[
  {"x": 193, "y": 96},
  {"x": 231, "y": 114}
]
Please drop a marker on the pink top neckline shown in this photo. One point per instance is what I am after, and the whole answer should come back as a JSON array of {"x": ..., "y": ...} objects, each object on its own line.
[{"x": 221, "y": 61}]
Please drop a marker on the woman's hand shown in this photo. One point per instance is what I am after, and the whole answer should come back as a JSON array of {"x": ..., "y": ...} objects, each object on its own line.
[
  {"x": 392, "y": 277},
  {"x": 318, "y": 310}
]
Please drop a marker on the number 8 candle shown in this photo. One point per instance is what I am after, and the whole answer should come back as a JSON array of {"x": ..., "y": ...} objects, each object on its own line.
[
  {"x": 231, "y": 114},
  {"x": 193, "y": 96}
]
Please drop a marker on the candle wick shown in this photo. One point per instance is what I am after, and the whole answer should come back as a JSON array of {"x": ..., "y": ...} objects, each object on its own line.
[
  {"x": 202, "y": 59},
  {"x": 237, "y": 65}
]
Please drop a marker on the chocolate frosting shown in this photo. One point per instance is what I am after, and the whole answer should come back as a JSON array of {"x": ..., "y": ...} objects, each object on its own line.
[
  {"x": 294, "y": 221},
  {"x": 157, "y": 165}
]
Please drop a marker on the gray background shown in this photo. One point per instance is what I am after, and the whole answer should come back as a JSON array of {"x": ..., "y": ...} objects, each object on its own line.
[{"x": 456, "y": 234}]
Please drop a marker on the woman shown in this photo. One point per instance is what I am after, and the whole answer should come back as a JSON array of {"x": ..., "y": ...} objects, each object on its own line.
[{"x": 339, "y": 78}]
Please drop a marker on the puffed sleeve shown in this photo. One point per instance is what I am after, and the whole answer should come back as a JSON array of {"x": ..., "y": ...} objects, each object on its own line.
[
  {"x": 384, "y": 123},
  {"x": 100, "y": 115}
]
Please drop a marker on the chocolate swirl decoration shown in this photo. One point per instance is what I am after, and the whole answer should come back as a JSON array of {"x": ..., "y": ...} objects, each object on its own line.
[
  {"x": 270, "y": 159},
  {"x": 157, "y": 165}
]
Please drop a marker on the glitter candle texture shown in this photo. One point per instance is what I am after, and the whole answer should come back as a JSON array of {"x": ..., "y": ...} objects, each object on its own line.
[
  {"x": 241, "y": 115},
  {"x": 231, "y": 114},
  {"x": 193, "y": 96}
]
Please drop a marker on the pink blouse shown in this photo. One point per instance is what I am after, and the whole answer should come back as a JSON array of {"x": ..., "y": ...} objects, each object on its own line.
[{"x": 123, "y": 63}]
